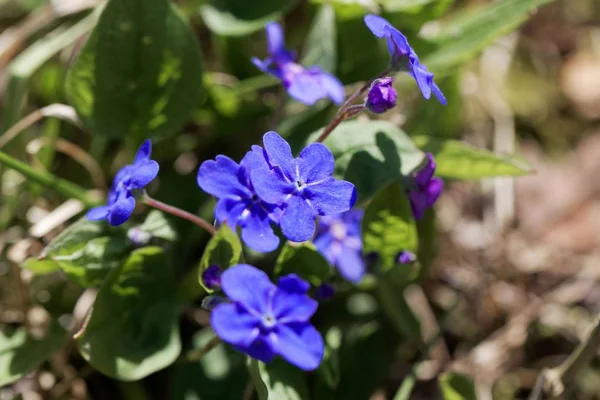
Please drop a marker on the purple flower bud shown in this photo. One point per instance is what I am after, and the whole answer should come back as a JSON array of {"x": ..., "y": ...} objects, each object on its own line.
[
  {"x": 324, "y": 292},
  {"x": 211, "y": 277},
  {"x": 406, "y": 257},
  {"x": 382, "y": 95},
  {"x": 427, "y": 188}
]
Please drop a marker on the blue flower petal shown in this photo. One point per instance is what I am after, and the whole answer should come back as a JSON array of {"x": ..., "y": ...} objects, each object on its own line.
[
  {"x": 331, "y": 196},
  {"x": 233, "y": 324},
  {"x": 144, "y": 152},
  {"x": 279, "y": 154},
  {"x": 424, "y": 175},
  {"x": 292, "y": 283},
  {"x": 256, "y": 158},
  {"x": 306, "y": 87},
  {"x": 220, "y": 178},
  {"x": 351, "y": 266},
  {"x": 418, "y": 203},
  {"x": 434, "y": 190},
  {"x": 261, "y": 349},
  {"x": 121, "y": 210},
  {"x": 301, "y": 345},
  {"x": 98, "y": 213},
  {"x": 249, "y": 286},
  {"x": 258, "y": 234},
  {"x": 376, "y": 24},
  {"x": 437, "y": 92},
  {"x": 230, "y": 210},
  {"x": 298, "y": 220},
  {"x": 293, "y": 307},
  {"x": 333, "y": 87},
  {"x": 270, "y": 186},
  {"x": 144, "y": 173},
  {"x": 317, "y": 163}
]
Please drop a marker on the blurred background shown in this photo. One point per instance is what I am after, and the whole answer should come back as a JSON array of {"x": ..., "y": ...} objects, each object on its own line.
[{"x": 514, "y": 285}]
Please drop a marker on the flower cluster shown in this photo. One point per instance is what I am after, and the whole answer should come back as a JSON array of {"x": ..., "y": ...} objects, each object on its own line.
[
  {"x": 264, "y": 320},
  {"x": 271, "y": 186},
  {"x": 121, "y": 200},
  {"x": 427, "y": 188},
  {"x": 307, "y": 85},
  {"x": 403, "y": 57}
]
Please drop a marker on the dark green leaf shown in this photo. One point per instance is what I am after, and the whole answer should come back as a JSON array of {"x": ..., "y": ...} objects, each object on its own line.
[
  {"x": 133, "y": 328},
  {"x": 457, "y": 387},
  {"x": 305, "y": 260},
  {"x": 224, "y": 250},
  {"x": 329, "y": 370},
  {"x": 20, "y": 353},
  {"x": 221, "y": 374},
  {"x": 391, "y": 297},
  {"x": 139, "y": 74},
  {"x": 278, "y": 380},
  {"x": 388, "y": 226},
  {"x": 466, "y": 34},
  {"x": 158, "y": 226},
  {"x": 371, "y": 154},
  {"x": 86, "y": 252},
  {"x": 240, "y": 17},
  {"x": 412, "y": 14},
  {"x": 459, "y": 160},
  {"x": 321, "y": 43}
]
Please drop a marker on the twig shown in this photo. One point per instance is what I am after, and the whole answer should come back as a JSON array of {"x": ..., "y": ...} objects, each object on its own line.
[
  {"x": 180, "y": 213},
  {"x": 339, "y": 118},
  {"x": 197, "y": 354},
  {"x": 556, "y": 379}
]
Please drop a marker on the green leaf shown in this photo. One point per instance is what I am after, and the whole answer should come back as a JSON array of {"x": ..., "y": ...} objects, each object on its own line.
[
  {"x": 224, "y": 250},
  {"x": 220, "y": 374},
  {"x": 371, "y": 154},
  {"x": 329, "y": 370},
  {"x": 412, "y": 14},
  {"x": 237, "y": 18},
  {"x": 321, "y": 43},
  {"x": 133, "y": 328},
  {"x": 390, "y": 292},
  {"x": 457, "y": 387},
  {"x": 158, "y": 226},
  {"x": 140, "y": 72},
  {"x": 21, "y": 353},
  {"x": 305, "y": 260},
  {"x": 86, "y": 252},
  {"x": 278, "y": 380},
  {"x": 388, "y": 226},
  {"x": 459, "y": 160},
  {"x": 466, "y": 34}
]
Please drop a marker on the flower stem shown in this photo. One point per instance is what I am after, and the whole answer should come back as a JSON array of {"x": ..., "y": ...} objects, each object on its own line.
[
  {"x": 197, "y": 354},
  {"x": 180, "y": 213},
  {"x": 350, "y": 112}
]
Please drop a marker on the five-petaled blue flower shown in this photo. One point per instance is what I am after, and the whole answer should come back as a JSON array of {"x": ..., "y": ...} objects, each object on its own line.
[
  {"x": 264, "y": 320},
  {"x": 427, "y": 188},
  {"x": 302, "y": 187},
  {"x": 121, "y": 201},
  {"x": 307, "y": 85},
  {"x": 238, "y": 203},
  {"x": 338, "y": 239},
  {"x": 404, "y": 57}
]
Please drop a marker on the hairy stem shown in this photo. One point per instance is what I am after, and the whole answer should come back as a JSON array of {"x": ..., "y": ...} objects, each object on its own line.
[
  {"x": 350, "y": 112},
  {"x": 178, "y": 212},
  {"x": 197, "y": 354}
]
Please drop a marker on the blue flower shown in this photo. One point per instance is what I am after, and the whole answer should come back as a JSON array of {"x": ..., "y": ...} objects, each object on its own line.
[
  {"x": 264, "y": 320},
  {"x": 427, "y": 188},
  {"x": 307, "y": 85},
  {"x": 121, "y": 201},
  {"x": 338, "y": 239},
  {"x": 238, "y": 203},
  {"x": 302, "y": 187},
  {"x": 404, "y": 57},
  {"x": 382, "y": 96}
]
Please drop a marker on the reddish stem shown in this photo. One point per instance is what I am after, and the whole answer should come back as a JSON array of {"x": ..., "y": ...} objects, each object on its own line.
[{"x": 180, "y": 213}]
